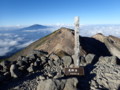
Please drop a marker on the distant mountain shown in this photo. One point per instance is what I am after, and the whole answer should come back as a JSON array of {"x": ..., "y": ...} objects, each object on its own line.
[{"x": 35, "y": 27}]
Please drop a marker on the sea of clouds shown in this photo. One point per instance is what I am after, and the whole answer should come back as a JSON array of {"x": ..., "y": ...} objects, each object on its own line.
[{"x": 13, "y": 40}]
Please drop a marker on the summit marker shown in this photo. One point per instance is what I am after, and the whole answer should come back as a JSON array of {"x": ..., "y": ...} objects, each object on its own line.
[{"x": 76, "y": 70}]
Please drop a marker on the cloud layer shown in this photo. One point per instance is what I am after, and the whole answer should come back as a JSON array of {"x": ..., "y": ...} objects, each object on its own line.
[
  {"x": 89, "y": 30},
  {"x": 13, "y": 40}
]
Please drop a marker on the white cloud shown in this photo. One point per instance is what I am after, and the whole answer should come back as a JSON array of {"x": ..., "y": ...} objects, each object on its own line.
[
  {"x": 5, "y": 34},
  {"x": 89, "y": 30},
  {"x": 24, "y": 44},
  {"x": 4, "y": 50},
  {"x": 8, "y": 44}
]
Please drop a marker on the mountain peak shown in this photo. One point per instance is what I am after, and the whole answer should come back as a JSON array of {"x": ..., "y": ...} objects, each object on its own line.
[
  {"x": 61, "y": 41},
  {"x": 34, "y": 27}
]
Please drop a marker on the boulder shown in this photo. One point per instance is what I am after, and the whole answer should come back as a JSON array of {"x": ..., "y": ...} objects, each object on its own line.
[
  {"x": 31, "y": 68},
  {"x": 67, "y": 60},
  {"x": 25, "y": 59},
  {"x": 37, "y": 63},
  {"x": 71, "y": 84},
  {"x": 82, "y": 61},
  {"x": 51, "y": 64},
  {"x": 89, "y": 58},
  {"x": 51, "y": 84},
  {"x": 113, "y": 60},
  {"x": 41, "y": 77},
  {"x": 57, "y": 84},
  {"x": 15, "y": 72},
  {"x": 5, "y": 65},
  {"x": 43, "y": 59}
]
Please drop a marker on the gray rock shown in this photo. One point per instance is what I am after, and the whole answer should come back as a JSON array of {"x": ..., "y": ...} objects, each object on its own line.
[
  {"x": 51, "y": 75},
  {"x": 21, "y": 63},
  {"x": 71, "y": 84},
  {"x": 111, "y": 60},
  {"x": 37, "y": 63},
  {"x": 50, "y": 62},
  {"x": 107, "y": 74},
  {"x": 55, "y": 84},
  {"x": 58, "y": 62},
  {"x": 59, "y": 75},
  {"x": 43, "y": 59},
  {"x": 67, "y": 60},
  {"x": 42, "y": 77},
  {"x": 15, "y": 73},
  {"x": 6, "y": 65},
  {"x": 89, "y": 58},
  {"x": 82, "y": 61},
  {"x": 25, "y": 59},
  {"x": 31, "y": 68},
  {"x": 51, "y": 84},
  {"x": 38, "y": 59}
]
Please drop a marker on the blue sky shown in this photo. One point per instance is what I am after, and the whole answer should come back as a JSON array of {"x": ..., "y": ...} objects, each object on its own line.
[{"x": 28, "y": 12}]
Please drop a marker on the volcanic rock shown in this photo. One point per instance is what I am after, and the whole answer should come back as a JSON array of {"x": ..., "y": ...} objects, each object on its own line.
[
  {"x": 55, "y": 84},
  {"x": 107, "y": 74},
  {"x": 15, "y": 73},
  {"x": 67, "y": 60}
]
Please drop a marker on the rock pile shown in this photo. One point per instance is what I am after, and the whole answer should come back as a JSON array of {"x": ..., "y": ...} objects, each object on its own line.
[
  {"x": 51, "y": 66},
  {"x": 107, "y": 74},
  {"x": 54, "y": 84},
  {"x": 47, "y": 72}
]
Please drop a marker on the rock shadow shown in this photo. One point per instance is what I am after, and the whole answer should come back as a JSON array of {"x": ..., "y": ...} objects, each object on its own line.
[{"x": 91, "y": 45}]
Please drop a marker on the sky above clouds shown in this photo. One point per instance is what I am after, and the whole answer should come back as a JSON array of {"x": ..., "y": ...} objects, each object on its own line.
[{"x": 28, "y": 12}]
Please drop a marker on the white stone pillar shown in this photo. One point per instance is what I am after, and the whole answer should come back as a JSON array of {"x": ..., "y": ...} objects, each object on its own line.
[{"x": 77, "y": 43}]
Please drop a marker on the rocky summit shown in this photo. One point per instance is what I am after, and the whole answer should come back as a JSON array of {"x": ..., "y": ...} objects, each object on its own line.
[{"x": 40, "y": 66}]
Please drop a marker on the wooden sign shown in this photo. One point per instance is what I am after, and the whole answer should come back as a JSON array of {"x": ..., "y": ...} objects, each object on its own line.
[{"x": 74, "y": 71}]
